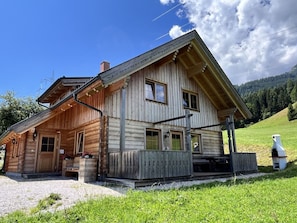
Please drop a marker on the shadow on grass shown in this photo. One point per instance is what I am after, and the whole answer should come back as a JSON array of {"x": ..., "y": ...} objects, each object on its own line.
[{"x": 270, "y": 174}]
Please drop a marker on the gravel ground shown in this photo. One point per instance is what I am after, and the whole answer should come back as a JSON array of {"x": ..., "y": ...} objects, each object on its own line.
[{"x": 23, "y": 194}]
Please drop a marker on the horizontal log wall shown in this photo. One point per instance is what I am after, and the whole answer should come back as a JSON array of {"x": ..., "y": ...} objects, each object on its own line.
[
  {"x": 244, "y": 162},
  {"x": 30, "y": 154},
  {"x": 212, "y": 143},
  {"x": 146, "y": 164}
]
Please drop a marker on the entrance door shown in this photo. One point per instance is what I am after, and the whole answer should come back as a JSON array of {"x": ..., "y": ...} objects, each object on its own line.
[{"x": 46, "y": 156}]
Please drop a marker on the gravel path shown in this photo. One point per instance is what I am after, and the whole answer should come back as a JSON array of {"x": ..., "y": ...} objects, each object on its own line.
[{"x": 24, "y": 194}]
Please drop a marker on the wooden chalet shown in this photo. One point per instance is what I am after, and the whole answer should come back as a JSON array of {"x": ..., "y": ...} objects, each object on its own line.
[{"x": 157, "y": 115}]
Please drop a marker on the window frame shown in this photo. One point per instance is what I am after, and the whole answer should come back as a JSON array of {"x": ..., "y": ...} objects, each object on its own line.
[
  {"x": 80, "y": 135},
  {"x": 190, "y": 95},
  {"x": 180, "y": 133},
  {"x": 47, "y": 144},
  {"x": 159, "y": 142},
  {"x": 199, "y": 151},
  {"x": 155, "y": 85}
]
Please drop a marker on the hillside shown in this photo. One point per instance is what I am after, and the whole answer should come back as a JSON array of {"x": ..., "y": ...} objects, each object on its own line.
[
  {"x": 269, "y": 82},
  {"x": 258, "y": 137}
]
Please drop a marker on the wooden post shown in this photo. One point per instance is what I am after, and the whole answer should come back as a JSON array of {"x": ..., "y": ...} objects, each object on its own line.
[
  {"x": 188, "y": 138},
  {"x": 123, "y": 122},
  {"x": 188, "y": 130},
  {"x": 233, "y": 132},
  {"x": 229, "y": 135}
]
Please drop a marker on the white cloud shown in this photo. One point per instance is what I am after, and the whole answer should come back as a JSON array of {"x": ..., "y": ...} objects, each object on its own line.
[
  {"x": 250, "y": 39},
  {"x": 165, "y": 2}
]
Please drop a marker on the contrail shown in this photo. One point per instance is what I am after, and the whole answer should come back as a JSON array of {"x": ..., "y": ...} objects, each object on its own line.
[
  {"x": 166, "y": 34},
  {"x": 166, "y": 12}
]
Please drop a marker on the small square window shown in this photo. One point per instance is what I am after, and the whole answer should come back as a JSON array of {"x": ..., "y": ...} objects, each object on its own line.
[
  {"x": 190, "y": 100},
  {"x": 155, "y": 91},
  {"x": 47, "y": 144}
]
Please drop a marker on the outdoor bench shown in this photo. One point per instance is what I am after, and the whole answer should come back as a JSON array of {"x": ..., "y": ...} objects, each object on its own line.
[
  {"x": 210, "y": 163},
  {"x": 84, "y": 168}
]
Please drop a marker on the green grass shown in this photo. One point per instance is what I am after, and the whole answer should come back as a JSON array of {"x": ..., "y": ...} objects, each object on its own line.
[
  {"x": 47, "y": 202},
  {"x": 258, "y": 138},
  {"x": 272, "y": 198}
]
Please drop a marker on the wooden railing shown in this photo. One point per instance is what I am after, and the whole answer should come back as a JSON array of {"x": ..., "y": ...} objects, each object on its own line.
[
  {"x": 146, "y": 164},
  {"x": 244, "y": 162}
]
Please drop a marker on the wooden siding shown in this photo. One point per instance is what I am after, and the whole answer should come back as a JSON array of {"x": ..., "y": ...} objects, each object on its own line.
[
  {"x": 145, "y": 164},
  {"x": 30, "y": 152},
  {"x": 175, "y": 77},
  {"x": 212, "y": 141},
  {"x": 244, "y": 162}
]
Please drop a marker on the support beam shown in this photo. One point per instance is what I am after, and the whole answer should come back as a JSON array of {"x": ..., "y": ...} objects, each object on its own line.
[
  {"x": 196, "y": 69},
  {"x": 123, "y": 122},
  {"x": 171, "y": 119}
]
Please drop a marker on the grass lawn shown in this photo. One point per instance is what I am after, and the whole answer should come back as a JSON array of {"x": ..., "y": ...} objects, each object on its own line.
[{"x": 272, "y": 198}]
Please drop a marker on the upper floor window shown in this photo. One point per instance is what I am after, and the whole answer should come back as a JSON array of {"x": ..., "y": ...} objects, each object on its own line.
[
  {"x": 155, "y": 91},
  {"x": 190, "y": 100}
]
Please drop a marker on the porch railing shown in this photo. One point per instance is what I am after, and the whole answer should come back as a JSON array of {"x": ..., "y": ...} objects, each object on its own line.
[
  {"x": 244, "y": 162},
  {"x": 146, "y": 164}
]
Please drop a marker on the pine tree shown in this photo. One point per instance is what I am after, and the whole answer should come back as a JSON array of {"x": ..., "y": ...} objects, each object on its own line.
[{"x": 292, "y": 113}]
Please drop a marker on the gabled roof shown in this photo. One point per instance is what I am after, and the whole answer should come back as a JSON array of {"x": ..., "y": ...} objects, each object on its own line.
[
  {"x": 201, "y": 66},
  {"x": 60, "y": 86},
  {"x": 189, "y": 50}
]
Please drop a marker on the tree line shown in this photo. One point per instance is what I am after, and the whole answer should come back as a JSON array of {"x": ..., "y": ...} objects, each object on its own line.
[
  {"x": 268, "y": 101},
  {"x": 13, "y": 110}
]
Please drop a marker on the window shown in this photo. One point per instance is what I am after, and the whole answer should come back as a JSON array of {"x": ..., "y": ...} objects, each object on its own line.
[
  {"x": 176, "y": 141},
  {"x": 79, "y": 142},
  {"x": 190, "y": 100},
  {"x": 196, "y": 143},
  {"x": 47, "y": 144},
  {"x": 155, "y": 91},
  {"x": 152, "y": 139}
]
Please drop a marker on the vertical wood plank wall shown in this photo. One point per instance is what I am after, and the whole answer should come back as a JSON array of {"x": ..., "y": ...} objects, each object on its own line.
[
  {"x": 144, "y": 164},
  {"x": 175, "y": 77},
  {"x": 244, "y": 162}
]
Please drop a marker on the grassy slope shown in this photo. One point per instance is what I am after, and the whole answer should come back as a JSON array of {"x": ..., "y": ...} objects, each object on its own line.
[{"x": 258, "y": 137}]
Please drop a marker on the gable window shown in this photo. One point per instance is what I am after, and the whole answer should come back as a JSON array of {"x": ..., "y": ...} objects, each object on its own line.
[
  {"x": 155, "y": 91},
  {"x": 176, "y": 141},
  {"x": 47, "y": 144},
  {"x": 79, "y": 142},
  {"x": 190, "y": 100},
  {"x": 152, "y": 139},
  {"x": 196, "y": 143}
]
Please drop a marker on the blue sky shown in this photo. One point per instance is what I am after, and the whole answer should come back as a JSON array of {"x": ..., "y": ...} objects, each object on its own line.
[{"x": 41, "y": 41}]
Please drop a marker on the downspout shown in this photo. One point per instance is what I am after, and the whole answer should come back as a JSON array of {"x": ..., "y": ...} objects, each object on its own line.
[{"x": 100, "y": 129}]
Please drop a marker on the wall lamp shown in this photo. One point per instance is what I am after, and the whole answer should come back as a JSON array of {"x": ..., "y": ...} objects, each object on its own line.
[
  {"x": 34, "y": 135},
  {"x": 14, "y": 141}
]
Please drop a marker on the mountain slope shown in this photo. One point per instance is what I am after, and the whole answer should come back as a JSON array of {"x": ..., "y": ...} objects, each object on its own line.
[{"x": 268, "y": 82}]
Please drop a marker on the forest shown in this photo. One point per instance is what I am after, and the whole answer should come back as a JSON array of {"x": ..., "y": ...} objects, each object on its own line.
[{"x": 267, "y": 96}]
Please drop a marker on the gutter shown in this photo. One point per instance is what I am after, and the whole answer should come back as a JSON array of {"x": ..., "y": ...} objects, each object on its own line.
[{"x": 102, "y": 176}]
